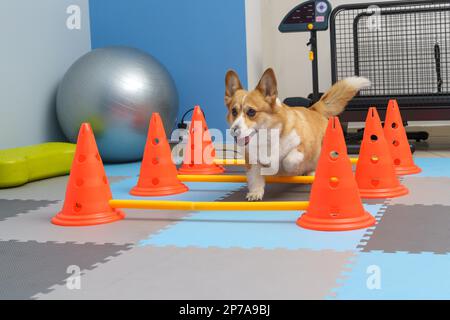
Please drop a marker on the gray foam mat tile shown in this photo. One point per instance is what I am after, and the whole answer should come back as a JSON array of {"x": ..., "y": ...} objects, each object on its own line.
[
  {"x": 36, "y": 226},
  {"x": 235, "y": 170},
  {"x": 46, "y": 189},
  {"x": 28, "y": 268},
  {"x": 413, "y": 229},
  {"x": 192, "y": 273},
  {"x": 425, "y": 190},
  {"x": 374, "y": 201},
  {"x": 286, "y": 192},
  {"x": 117, "y": 179},
  {"x": 276, "y": 192},
  {"x": 12, "y": 207}
]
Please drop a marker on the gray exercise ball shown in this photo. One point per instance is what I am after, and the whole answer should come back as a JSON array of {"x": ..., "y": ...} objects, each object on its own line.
[{"x": 116, "y": 89}]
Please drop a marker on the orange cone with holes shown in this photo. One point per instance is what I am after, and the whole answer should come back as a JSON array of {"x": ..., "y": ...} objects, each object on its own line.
[
  {"x": 334, "y": 203},
  {"x": 88, "y": 192},
  {"x": 158, "y": 176},
  {"x": 375, "y": 173},
  {"x": 397, "y": 140},
  {"x": 199, "y": 153}
]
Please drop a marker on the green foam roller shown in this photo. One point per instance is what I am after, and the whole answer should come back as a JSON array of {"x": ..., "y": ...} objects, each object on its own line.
[{"x": 25, "y": 164}]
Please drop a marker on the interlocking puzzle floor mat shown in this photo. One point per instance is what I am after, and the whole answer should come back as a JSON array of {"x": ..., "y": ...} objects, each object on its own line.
[{"x": 226, "y": 255}]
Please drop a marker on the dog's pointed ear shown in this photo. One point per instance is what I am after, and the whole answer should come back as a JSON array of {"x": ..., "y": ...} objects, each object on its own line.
[
  {"x": 268, "y": 86},
  {"x": 232, "y": 84}
]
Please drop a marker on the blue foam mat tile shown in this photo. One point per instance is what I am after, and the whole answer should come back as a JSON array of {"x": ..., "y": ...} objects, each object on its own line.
[
  {"x": 198, "y": 191},
  {"x": 123, "y": 169},
  {"x": 264, "y": 229},
  {"x": 402, "y": 275},
  {"x": 433, "y": 167}
]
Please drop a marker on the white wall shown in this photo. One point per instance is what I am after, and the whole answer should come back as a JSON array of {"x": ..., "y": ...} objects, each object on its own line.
[
  {"x": 287, "y": 53},
  {"x": 36, "y": 50},
  {"x": 254, "y": 37}
]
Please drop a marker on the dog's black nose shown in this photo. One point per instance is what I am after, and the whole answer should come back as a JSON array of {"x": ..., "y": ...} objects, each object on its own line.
[{"x": 235, "y": 132}]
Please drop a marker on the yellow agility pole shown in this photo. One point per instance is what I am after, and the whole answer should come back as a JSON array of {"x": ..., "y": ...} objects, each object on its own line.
[
  {"x": 241, "y": 162},
  {"x": 235, "y": 178},
  {"x": 213, "y": 206},
  {"x": 230, "y": 162}
]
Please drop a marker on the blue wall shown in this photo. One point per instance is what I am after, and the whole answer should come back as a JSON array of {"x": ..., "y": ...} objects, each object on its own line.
[{"x": 197, "y": 41}]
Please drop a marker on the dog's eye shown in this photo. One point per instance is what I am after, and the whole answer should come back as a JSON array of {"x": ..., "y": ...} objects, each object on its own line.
[
  {"x": 234, "y": 112},
  {"x": 251, "y": 112}
]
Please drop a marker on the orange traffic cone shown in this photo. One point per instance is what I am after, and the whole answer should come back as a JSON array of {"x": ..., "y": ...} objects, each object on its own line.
[
  {"x": 375, "y": 173},
  {"x": 158, "y": 176},
  {"x": 335, "y": 204},
  {"x": 397, "y": 140},
  {"x": 200, "y": 152},
  {"x": 88, "y": 192}
]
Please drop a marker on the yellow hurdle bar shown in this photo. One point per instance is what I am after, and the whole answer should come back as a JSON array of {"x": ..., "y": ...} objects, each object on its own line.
[
  {"x": 230, "y": 162},
  {"x": 213, "y": 206},
  {"x": 235, "y": 178},
  {"x": 241, "y": 162}
]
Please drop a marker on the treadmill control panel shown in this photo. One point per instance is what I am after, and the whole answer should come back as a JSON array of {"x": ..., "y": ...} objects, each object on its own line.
[{"x": 307, "y": 16}]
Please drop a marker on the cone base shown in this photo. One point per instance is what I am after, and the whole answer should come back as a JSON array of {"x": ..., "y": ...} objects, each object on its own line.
[
  {"x": 70, "y": 220},
  {"x": 213, "y": 169},
  {"x": 158, "y": 191},
  {"x": 307, "y": 222},
  {"x": 399, "y": 191},
  {"x": 403, "y": 171}
]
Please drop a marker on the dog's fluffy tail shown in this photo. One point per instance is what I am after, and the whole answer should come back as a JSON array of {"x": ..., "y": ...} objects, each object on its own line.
[{"x": 334, "y": 101}]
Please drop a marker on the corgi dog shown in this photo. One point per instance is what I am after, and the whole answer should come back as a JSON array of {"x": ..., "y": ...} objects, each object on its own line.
[{"x": 299, "y": 130}]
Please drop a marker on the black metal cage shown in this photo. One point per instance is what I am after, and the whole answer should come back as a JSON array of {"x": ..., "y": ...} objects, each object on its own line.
[{"x": 403, "y": 47}]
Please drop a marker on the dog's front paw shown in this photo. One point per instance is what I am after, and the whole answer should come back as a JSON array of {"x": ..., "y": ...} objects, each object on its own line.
[{"x": 255, "y": 195}]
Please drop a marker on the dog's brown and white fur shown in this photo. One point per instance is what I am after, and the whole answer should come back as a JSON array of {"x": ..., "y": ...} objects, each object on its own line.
[{"x": 301, "y": 129}]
